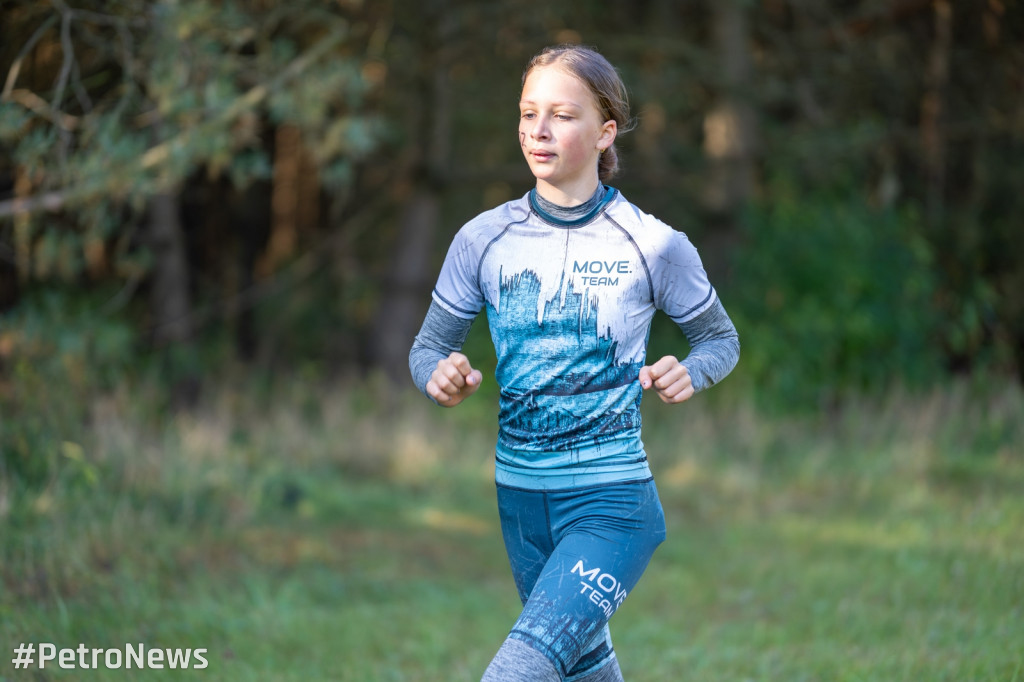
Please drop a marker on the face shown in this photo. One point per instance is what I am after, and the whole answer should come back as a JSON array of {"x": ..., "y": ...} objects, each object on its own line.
[{"x": 562, "y": 132}]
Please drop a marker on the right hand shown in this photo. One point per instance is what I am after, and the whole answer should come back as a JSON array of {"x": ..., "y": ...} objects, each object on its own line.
[{"x": 453, "y": 381}]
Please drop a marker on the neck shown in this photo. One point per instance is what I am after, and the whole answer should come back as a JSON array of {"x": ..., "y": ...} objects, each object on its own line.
[
  {"x": 570, "y": 216},
  {"x": 571, "y": 195}
]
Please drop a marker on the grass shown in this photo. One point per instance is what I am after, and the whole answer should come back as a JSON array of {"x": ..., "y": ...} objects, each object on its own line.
[{"x": 306, "y": 532}]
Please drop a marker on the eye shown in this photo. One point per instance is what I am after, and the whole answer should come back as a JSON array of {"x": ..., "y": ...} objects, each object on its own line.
[
  {"x": 563, "y": 117},
  {"x": 528, "y": 115}
]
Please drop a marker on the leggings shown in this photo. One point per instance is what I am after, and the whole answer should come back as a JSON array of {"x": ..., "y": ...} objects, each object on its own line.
[{"x": 575, "y": 555}]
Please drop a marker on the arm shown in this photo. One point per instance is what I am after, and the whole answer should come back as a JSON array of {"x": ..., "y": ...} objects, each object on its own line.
[
  {"x": 438, "y": 369},
  {"x": 714, "y": 347},
  {"x": 714, "y": 351}
]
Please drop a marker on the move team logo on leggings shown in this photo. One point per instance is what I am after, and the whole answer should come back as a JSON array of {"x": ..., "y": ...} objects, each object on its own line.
[
  {"x": 603, "y": 589},
  {"x": 575, "y": 556}
]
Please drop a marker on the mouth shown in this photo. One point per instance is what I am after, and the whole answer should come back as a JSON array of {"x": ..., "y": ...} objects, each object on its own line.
[{"x": 541, "y": 155}]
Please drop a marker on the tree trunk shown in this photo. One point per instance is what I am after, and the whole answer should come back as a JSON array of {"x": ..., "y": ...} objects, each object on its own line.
[
  {"x": 407, "y": 284},
  {"x": 403, "y": 301},
  {"x": 933, "y": 134},
  {"x": 294, "y": 199},
  {"x": 170, "y": 300},
  {"x": 729, "y": 126},
  {"x": 957, "y": 279},
  {"x": 8, "y": 272},
  {"x": 250, "y": 218},
  {"x": 650, "y": 144},
  {"x": 19, "y": 265}
]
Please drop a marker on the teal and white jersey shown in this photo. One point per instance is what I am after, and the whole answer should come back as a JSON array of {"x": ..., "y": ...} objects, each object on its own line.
[{"x": 569, "y": 305}]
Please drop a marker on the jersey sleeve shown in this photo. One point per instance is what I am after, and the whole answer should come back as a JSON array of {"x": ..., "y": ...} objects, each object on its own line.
[
  {"x": 458, "y": 286},
  {"x": 681, "y": 286},
  {"x": 714, "y": 346},
  {"x": 441, "y": 334}
]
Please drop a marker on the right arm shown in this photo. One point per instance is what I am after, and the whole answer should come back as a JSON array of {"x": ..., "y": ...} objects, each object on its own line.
[{"x": 439, "y": 369}]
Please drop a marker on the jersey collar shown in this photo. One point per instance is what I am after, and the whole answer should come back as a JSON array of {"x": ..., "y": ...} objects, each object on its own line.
[{"x": 585, "y": 218}]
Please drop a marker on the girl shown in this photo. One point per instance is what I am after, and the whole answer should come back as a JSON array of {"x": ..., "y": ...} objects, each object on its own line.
[{"x": 570, "y": 275}]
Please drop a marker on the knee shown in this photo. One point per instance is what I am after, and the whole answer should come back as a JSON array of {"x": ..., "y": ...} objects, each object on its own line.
[{"x": 517, "y": 661}]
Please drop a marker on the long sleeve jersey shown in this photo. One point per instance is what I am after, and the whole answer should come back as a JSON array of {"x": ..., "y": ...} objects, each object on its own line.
[{"x": 569, "y": 304}]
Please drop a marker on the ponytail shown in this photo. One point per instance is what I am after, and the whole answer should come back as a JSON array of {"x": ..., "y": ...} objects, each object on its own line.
[{"x": 608, "y": 164}]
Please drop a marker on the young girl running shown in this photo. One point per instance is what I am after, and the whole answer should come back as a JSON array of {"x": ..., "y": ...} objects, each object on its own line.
[{"x": 570, "y": 275}]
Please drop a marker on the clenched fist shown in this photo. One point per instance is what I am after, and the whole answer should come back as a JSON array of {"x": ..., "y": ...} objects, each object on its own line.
[
  {"x": 669, "y": 379},
  {"x": 453, "y": 380}
]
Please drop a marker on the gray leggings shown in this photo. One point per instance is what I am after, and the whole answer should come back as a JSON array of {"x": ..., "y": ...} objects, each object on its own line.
[{"x": 517, "y": 661}]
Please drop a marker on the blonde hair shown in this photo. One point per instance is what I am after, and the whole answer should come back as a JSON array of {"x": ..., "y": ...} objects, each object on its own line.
[{"x": 601, "y": 78}]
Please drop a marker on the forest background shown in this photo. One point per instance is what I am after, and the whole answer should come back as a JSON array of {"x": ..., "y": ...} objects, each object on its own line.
[{"x": 220, "y": 222}]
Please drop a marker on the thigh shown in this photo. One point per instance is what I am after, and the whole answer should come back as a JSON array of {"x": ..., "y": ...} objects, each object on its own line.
[
  {"x": 605, "y": 539},
  {"x": 526, "y": 529}
]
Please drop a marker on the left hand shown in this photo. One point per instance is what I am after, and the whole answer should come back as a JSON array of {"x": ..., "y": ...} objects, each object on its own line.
[{"x": 669, "y": 378}]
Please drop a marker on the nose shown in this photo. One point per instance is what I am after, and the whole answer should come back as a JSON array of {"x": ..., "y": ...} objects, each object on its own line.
[{"x": 541, "y": 130}]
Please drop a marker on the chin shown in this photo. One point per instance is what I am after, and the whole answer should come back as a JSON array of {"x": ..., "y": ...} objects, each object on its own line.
[{"x": 544, "y": 174}]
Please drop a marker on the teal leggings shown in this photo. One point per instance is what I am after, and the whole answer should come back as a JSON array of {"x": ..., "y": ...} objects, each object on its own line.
[{"x": 575, "y": 555}]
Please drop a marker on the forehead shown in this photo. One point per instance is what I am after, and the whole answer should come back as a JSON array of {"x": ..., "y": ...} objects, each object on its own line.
[{"x": 555, "y": 85}]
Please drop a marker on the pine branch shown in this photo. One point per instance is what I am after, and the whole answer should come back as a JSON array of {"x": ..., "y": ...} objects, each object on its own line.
[
  {"x": 12, "y": 73},
  {"x": 157, "y": 155},
  {"x": 68, "y": 50}
]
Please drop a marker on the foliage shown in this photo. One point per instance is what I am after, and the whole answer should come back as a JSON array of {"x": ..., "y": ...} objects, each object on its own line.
[
  {"x": 57, "y": 358},
  {"x": 147, "y": 95},
  {"x": 881, "y": 240},
  {"x": 831, "y": 296}
]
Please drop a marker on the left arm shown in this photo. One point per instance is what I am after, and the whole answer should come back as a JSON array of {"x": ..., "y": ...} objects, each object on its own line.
[{"x": 714, "y": 351}]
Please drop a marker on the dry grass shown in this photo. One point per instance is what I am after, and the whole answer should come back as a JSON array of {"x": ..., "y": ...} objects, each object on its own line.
[{"x": 356, "y": 526}]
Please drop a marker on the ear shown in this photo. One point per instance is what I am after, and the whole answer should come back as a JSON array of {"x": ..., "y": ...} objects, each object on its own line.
[{"x": 608, "y": 132}]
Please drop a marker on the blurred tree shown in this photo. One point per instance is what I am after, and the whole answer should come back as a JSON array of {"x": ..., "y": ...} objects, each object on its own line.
[
  {"x": 109, "y": 113},
  {"x": 729, "y": 125},
  {"x": 429, "y": 35},
  {"x": 339, "y": 145},
  {"x": 913, "y": 105}
]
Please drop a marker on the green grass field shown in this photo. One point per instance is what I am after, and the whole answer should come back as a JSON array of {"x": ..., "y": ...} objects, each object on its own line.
[{"x": 349, "y": 534}]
